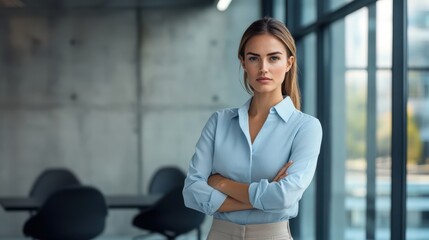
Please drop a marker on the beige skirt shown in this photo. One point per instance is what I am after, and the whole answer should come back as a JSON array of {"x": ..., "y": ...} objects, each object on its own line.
[{"x": 223, "y": 230}]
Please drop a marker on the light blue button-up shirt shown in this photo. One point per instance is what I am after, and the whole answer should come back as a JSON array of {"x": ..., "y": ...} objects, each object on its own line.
[{"x": 225, "y": 148}]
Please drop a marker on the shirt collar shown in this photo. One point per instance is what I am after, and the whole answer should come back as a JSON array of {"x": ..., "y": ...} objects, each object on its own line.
[{"x": 284, "y": 109}]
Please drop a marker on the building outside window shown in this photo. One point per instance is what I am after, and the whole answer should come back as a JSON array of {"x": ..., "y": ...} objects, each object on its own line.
[{"x": 357, "y": 55}]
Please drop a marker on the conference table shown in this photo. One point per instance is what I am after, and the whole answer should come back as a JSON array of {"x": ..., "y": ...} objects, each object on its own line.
[{"x": 112, "y": 201}]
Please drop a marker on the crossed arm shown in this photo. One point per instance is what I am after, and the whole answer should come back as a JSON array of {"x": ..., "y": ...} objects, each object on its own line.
[{"x": 238, "y": 193}]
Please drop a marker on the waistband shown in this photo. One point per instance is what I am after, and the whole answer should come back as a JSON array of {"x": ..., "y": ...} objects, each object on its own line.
[{"x": 252, "y": 230}]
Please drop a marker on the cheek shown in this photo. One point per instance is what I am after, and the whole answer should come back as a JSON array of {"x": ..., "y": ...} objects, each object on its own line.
[
  {"x": 251, "y": 71},
  {"x": 280, "y": 71}
]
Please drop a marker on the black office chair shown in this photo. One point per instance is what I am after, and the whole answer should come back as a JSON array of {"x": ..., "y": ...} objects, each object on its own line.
[
  {"x": 50, "y": 181},
  {"x": 72, "y": 213},
  {"x": 170, "y": 217},
  {"x": 166, "y": 179}
]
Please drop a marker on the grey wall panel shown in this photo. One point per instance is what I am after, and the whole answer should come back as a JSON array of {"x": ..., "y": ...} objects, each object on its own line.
[
  {"x": 68, "y": 94},
  {"x": 70, "y": 57}
]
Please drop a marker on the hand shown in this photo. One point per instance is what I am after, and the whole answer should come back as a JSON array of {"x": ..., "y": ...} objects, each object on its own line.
[
  {"x": 215, "y": 180},
  {"x": 282, "y": 172}
]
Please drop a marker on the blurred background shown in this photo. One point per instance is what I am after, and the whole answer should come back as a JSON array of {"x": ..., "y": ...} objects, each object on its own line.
[{"x": 116, "y": 89}]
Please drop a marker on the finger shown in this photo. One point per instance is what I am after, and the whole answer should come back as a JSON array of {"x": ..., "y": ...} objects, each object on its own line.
[
  {"x": 281, "y": 177},
  {"x": 282, "y": 171},
  {"x": 288, "y": 164},
  {"x": 277, "y": 177},
  {"x": 279, "y": 173},
  {"x": 286, "y": 167}
]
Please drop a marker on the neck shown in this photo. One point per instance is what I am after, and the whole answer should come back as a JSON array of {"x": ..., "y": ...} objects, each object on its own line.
[{"x": 261, "y": 104}]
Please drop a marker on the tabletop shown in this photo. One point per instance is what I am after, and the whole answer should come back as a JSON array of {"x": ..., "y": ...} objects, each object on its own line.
[{"x": 112, "y": 201}]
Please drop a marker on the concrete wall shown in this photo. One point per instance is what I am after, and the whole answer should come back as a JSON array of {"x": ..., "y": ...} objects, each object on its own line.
[{"x": 78, "y": 89}]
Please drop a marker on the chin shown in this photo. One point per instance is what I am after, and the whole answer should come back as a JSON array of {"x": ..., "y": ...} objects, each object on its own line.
[{"x": 264, "y": 91}]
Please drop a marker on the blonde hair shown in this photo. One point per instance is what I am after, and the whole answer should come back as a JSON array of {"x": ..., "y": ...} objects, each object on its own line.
[{"x": 277, "y": 29}]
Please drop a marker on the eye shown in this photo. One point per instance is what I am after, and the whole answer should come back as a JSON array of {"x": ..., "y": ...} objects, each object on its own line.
[
  {"x": 274, "y": 58},
  {"x": 252, "y": 59}
]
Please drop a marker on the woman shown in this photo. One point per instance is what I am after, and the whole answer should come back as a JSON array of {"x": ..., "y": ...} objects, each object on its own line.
[{"x": 242, "y": 171}]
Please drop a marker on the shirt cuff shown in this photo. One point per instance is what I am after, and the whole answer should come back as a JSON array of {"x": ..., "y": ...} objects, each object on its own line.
[
  {"x": 216, "y": 200},
  {"x": 255, "y": 191}
]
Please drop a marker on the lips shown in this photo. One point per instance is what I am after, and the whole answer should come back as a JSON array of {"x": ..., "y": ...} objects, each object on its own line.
[{"x": 263, "y": 79}]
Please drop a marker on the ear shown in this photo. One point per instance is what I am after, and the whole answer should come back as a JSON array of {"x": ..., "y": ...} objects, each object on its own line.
[
  {"x": 242, "y": 63},
  {"x": 289, "y": 63}
]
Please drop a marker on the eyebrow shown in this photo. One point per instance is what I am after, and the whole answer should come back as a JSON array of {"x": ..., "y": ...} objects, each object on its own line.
[{"x": 269, "y": 54}]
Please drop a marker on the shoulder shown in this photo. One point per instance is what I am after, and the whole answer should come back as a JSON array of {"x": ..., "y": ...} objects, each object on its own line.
[
  {"x": 225, "y": 113},
  {"x": 221, "y": 116},
  {"x": 308, "y": 122}
]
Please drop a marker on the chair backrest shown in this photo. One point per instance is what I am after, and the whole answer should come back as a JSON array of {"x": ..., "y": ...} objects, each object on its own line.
[
  {"x": 166, "y": 179},
  {"x": 52, "y": 180},
  {"x": 77, "y": 212},
  {"x": 172, "y": 214}
]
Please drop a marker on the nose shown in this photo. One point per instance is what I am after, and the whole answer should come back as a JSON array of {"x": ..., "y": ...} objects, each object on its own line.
[{"x": 263, "y": 68}]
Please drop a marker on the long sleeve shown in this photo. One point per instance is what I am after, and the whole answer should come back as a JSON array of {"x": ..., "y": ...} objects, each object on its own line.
[
  {"x": 277, "y": 196},
  {"x": 224, "y": 147},
  {"x": 197, "y": 193}
]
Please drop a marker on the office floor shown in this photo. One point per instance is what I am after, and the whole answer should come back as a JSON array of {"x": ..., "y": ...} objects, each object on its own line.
[
  {"x": 154, "y": 237},
  {"x": 190, "y": 236}
]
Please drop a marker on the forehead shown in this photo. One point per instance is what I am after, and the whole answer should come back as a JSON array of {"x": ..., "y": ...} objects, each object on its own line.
[{"x": 265, "y": 43}]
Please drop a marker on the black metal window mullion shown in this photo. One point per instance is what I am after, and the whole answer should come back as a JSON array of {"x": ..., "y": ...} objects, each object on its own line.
[
  {"x": 330, "y": 17},
  {"x": 323, "y": 176},
  {"x": 371, "y": 130},
  {"x": 267, "y": 8},
  {"x": 399, "y": 121},
  {"x": 293, "y": 14}
]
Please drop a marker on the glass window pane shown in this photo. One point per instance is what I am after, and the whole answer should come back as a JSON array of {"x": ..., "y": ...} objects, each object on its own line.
[
  {"x": 308, "y": 68},
  {"x": 338, "y": 215},
  {"x": 308, "y": 11},
  {"x": 308, "y": 84},
  {"x": 384, "y": 34},
  {"x": 383, "y": 160},
  {"x": 355, "y": 162},
  {"x": 279, "y": 10},
  {"x": 418, "y": 155},
  {"x": 335, "y": 4},
  {"x": 349, "y": 104},
  {"x": 418, "y": 33},
  {"x": 418, "y": 121},
  {"x": 384, "y": 118},
  {"x": 357, "y": 39}
]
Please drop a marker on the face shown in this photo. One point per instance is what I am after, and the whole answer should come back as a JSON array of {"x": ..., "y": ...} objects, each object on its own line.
[{"x": 266, "y": 63}]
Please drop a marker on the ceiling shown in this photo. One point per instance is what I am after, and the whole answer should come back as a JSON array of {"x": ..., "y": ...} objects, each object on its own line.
[{"x": 103, "y": 3}]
